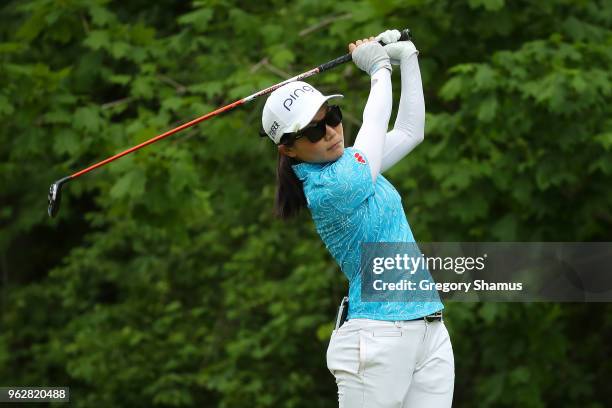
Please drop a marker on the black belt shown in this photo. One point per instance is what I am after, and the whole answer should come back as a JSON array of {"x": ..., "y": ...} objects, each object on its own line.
[{"x": 343, "y": 311}]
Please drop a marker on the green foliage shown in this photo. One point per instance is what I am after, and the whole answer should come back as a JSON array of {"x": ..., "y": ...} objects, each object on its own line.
[{"x": 165, "y": 280}]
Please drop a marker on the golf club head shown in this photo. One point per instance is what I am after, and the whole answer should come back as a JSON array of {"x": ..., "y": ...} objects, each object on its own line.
[{"x": 55, "y": 196}]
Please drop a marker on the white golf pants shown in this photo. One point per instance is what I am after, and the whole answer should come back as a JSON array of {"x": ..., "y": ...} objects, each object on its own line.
[{"x": 386, "y": 364}]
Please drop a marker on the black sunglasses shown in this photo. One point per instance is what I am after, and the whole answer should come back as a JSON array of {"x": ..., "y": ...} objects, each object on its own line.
[{"x": 316, "y": 131}]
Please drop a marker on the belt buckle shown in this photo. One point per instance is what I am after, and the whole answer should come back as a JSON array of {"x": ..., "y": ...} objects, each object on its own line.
[{"x": 434, "y": 316}]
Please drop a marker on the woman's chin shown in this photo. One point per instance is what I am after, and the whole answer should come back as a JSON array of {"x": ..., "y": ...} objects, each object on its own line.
[{"x": 337, "y": 152}]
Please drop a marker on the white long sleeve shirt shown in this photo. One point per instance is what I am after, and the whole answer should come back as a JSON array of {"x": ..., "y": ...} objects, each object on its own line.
[{"x": 383, "y": 149}]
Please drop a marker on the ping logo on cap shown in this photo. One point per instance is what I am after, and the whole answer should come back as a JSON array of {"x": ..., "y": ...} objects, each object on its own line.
[{"x": 294, "y": 96}]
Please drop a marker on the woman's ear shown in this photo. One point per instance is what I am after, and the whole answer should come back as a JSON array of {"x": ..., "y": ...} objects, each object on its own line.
[{"x": 287, "y": 151}]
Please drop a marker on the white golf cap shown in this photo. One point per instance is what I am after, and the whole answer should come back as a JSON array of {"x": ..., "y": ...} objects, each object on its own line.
[{"x": 290, "y": 108}]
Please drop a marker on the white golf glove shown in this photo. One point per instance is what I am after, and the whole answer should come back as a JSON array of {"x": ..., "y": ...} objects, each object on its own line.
[
  {"x": 389, "y": 36},
  {"x": 371, "y": 57},
  {"x": 396, "y": 50}
]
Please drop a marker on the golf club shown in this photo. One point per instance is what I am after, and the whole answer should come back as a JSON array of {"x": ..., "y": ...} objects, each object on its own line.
[{"x": 55, "y": 191}]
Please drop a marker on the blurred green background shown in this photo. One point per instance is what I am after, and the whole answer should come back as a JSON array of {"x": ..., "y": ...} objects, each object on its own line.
[{"x": 165, "y": 281}]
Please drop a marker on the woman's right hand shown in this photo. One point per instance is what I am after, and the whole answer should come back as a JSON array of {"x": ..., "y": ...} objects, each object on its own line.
[
  {"x": 369, "y": 55},
  {"x": 357, "y": 43}
]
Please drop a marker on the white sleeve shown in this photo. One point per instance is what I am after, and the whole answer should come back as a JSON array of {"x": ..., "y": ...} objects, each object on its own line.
[
  {"x": 370, "y": 139},
  {"x": 409, "y": 128}
]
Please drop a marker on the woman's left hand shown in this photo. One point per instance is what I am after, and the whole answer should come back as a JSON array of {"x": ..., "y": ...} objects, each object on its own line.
[
  {"x": 396, "y": 49},
  {"x": 389, "y": 36}
]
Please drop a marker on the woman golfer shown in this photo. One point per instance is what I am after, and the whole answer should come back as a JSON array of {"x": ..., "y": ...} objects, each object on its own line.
[{"x": 387, "y": 354}]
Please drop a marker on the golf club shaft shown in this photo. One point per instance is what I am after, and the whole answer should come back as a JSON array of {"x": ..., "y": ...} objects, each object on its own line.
[
  {"x": 196, "y": 121},
  {"x": 159, "y": 137},
  {"x": 55, "y": 190},
  {"x": 321, "y": 68}
]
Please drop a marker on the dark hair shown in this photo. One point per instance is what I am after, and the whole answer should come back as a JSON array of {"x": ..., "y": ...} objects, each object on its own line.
[{"x": 290, "y": 198}]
